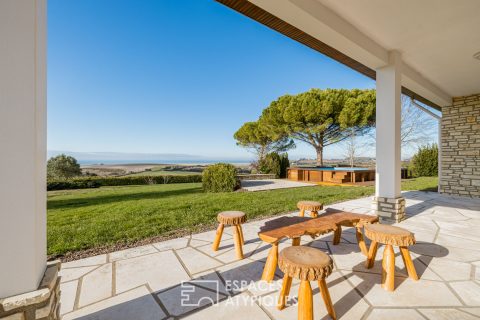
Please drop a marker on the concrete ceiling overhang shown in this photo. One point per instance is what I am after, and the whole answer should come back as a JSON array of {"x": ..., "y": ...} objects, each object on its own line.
[{"x": 437, "y": 38}]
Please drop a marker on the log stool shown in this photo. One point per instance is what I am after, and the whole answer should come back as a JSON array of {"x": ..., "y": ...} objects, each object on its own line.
[
  {"x": 312, "y": 206},
  {"x": 306, "y": 264},
  {"x": 390, "y": 236},
  {"x": 235, "y": 219}
]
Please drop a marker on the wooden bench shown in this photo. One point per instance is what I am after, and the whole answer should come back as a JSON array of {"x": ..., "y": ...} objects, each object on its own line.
[{"x": 295, "y": 227}]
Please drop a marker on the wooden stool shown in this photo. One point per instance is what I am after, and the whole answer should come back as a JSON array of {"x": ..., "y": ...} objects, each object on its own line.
[
  {"x": 272, "y": 260},
  {"x": 234, "y": 218},
  {"x": 390, "y": 236},
  {"x": 312, "y": 206},
  {"x": 306, "y": 264}
]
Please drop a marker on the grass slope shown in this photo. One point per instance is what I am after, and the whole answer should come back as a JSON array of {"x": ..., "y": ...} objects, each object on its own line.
[
  {"x": 91, "y": 218},
  {"x": 163, "y": 173}
]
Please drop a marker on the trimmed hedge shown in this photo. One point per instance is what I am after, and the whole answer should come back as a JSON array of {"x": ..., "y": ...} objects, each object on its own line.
[
  {"x": 220, "y": 177},
  {"x": 95, "y": 182},
  {"x": 71, "y": 184}
]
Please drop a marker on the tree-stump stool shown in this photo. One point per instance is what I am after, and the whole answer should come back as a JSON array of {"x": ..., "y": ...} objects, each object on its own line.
[
  {"x": 306, "y": 264},
  {"x": 390, "y": 236},
  {"x": 312, "y": 206},
  {"x": 235, "y": 219}
]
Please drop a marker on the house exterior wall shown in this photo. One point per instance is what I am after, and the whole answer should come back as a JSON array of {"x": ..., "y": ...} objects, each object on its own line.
[{"x": 461, "y": 147}]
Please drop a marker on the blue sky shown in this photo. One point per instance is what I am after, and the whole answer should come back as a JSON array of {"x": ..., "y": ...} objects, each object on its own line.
[{"x": 169, "y": 76}]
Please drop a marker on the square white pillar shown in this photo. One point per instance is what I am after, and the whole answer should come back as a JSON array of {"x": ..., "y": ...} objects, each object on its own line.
[
  {"x": 23, "y": 147},
  {"x": 388, "y": 202}
]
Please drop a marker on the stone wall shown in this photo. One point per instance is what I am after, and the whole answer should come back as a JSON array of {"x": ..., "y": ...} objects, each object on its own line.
[
  {"x": 41, "y": 304},
  {"x": 461, "y": 147}
]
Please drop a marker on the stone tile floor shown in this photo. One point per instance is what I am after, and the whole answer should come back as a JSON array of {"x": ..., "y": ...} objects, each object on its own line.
[
  {"x": 146, "y": 282},
  {"x": 270, "y": 184}
]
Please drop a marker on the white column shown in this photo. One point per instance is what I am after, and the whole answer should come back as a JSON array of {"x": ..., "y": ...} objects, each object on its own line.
[
  {"x": 22, "y": 145},
  {"x": 439, "y": 153},
  {"x": 388, "y": 127}
]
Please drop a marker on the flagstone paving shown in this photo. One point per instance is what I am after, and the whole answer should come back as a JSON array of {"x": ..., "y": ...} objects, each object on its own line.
[{"x": 184, "y": 278}]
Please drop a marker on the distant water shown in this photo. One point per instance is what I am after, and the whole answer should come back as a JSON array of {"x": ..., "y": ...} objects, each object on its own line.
[{"x": 192, "y": 161}]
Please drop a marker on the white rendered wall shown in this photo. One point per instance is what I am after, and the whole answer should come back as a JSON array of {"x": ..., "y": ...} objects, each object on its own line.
[
  {"x": 388, "y": 125},
  {"x": 22, "y": 145}
]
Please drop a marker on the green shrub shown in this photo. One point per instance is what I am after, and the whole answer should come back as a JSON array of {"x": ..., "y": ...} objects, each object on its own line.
[
  {"x": 63, "y": 167},
  {"x": 284, "y": 164},
  {"x": 425, "y": 161},
  {"x": 273, "y": 163},
  {"x": 220, "y": 177},
  {"x": 95, "y": 182}
]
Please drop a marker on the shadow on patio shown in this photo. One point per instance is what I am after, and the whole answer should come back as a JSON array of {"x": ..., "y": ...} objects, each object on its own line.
[{"x": 146, "y": 282}]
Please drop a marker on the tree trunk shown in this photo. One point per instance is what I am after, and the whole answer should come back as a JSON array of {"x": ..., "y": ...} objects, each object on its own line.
[
  {"x": 261, "y": 154},
  {"x": 320, "y": 156},
  {"x": 352, "y": 147}
]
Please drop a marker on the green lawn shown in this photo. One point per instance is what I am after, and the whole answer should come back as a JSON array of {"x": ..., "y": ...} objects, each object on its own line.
[
  {"x": 423, "y": 183},
  {"x": 90, "y": 218}
]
